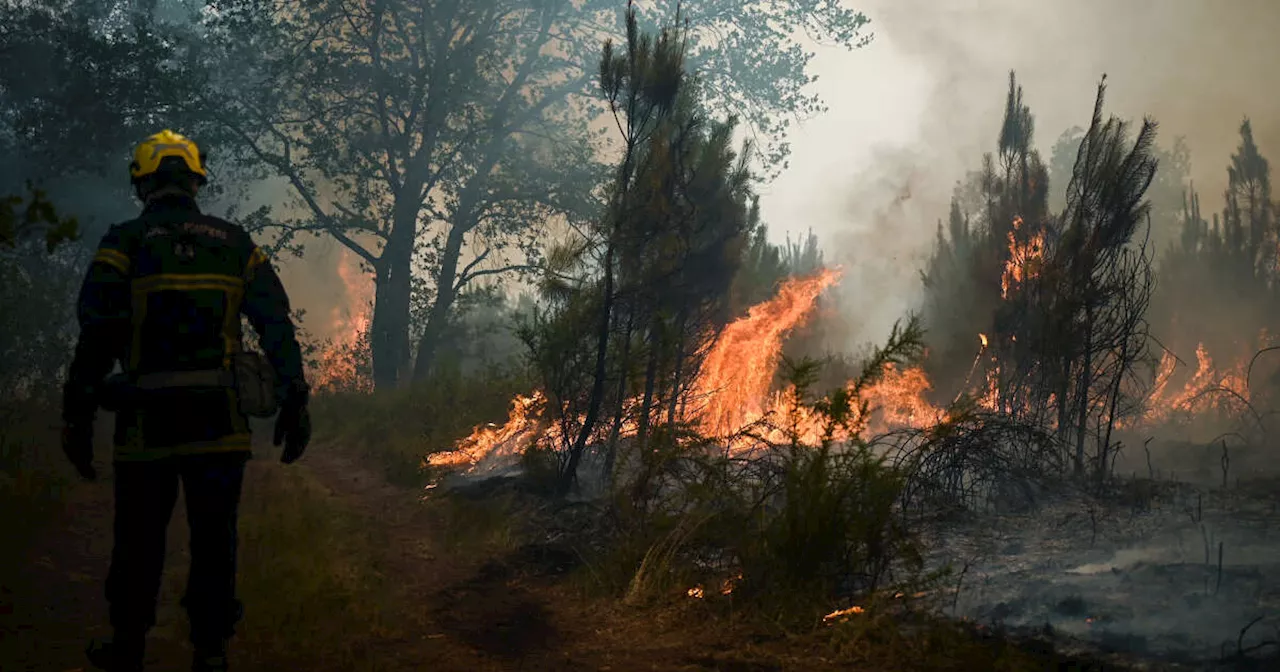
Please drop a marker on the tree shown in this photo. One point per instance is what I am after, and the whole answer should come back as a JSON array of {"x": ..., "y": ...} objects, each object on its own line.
[
  {"x": 972, "y": 279},
  {"x": 1248, "y": 225},
  {"x": 1217, "y": 283},
  {"x": 1104, "y": 283},
  {"x": 1060, "y": 300},
  {"x": 39, "y": 275},
  {"x": 391, "y": 120},
  {"x": 642, "y": 86},
  {"x": 432, "y": 133},
  {"x": 653, "y": 279},
  {"x": 80, "y": 84}
]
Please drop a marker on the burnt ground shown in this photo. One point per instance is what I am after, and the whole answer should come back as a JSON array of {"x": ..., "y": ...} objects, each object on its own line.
[
  {"x": 1168, "y": 570},
  {"x": 388, "y": 590}
]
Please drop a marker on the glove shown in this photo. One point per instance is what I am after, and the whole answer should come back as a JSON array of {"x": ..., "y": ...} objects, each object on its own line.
[
  {"x": 293, "y": 426},
  {"x": 77, "y": 444}
]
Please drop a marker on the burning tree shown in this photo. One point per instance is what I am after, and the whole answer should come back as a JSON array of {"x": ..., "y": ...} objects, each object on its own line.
[
  {"x": 434, "y": 137},
  {"x": 1063, "y": 297},
  {"x": 1099, "y": 286},
  {"x": 665, "y": 250},
  {"x": 1217, "y": 288}
]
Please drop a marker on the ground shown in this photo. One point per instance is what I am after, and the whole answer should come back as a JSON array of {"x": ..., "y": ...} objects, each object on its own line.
[{"x": 343, "y": 571}]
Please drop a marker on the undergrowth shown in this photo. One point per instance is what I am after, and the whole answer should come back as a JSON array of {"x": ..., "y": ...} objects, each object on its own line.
[
  {"x": 397, "y": 429},
  {"x": 310, "y": 577},
  {"x": 791, "y": 530}
]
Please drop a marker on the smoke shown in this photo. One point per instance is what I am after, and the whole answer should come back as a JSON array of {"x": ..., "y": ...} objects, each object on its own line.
[{"x": 915, "y": 110}]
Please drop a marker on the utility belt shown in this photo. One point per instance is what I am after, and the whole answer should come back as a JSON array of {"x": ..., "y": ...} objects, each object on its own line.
[{"x": 250, "y": 375}]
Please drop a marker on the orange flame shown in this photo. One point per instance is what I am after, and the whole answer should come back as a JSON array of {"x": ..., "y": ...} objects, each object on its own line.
[
  {"x": 513, "y": 437},
  {"x": 1024, "y": 259},
  {"x": 1196, "y": 394},
  {"x": 733, "y": 388},
  {"x": 339, "y": 366},
  {"x": 843, "y": 614},
  {"x": 736, "y": 375},
  {"x": 732, "y": 385}
]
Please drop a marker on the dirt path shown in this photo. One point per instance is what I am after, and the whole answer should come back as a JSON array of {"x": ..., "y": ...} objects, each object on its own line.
[
  {"x": 437, "y": 612},
  {"x": 344, "y": 572}
]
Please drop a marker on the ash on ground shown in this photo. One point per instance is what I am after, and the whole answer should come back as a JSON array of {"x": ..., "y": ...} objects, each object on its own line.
[{"x": 1161, "y": 570}]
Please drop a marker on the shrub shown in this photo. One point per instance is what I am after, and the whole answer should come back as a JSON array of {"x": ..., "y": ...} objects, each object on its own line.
[{"x": 791, "y": 528}]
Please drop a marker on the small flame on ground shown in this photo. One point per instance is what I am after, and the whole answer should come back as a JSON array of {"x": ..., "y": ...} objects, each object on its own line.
[
  {"x": 843, "y": 614},
  {"x": 695, "y": 592},
  {"x": 1207, "y": 389},
  {"x": 512, "y": 437}
]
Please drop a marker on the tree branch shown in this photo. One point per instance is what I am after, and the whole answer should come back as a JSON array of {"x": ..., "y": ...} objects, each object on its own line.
[{"x": 464, "y": 278}]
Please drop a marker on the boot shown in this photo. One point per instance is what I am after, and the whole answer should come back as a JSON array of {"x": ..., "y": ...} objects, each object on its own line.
[
  {"x": 210, "y": 657},
  {"x": 122, "y": 654}
]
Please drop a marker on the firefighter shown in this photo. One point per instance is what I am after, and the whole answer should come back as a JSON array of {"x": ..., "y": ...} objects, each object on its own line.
[{"x": 163, "y": 299}]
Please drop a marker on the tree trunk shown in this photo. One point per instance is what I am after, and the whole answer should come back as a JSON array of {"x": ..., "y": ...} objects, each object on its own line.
[
  {"x": 465, "y": 218},
  {"x": 438, "y": 317},
  {"x": 390, "y": 325},
  {"x": 1086, "y": 373},
  {"x": 1064, "y": 399},
  {"x": 620, "y": 415},
  {"x": 673, "y": 405},
  {"x": 1121, "y": 366},
  {"x": 650, "y": 383},
  {"x": 569, "y": 475}
]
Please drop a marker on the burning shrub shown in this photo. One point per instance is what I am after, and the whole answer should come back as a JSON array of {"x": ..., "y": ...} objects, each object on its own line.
[
  {"x": 788, "y": 525},
  {"x": 345, "y": 364}
]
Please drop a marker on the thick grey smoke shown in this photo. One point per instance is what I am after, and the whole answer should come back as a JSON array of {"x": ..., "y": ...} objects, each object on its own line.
[{"x": 918, "y": 107}]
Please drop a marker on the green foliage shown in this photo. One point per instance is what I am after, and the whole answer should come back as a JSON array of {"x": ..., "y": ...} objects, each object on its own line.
[
  {"x": 745, "y": 54},
  {"x": 647, "y": 284},
  {"x": 39, "y": 276},
  {"x": 38, "y": 216},
  {"x": 503, "y": 144},
  {"x": 83, "y": 82}
]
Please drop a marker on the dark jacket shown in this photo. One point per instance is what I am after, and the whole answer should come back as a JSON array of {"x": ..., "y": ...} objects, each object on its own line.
[{"x": 165, "y": 293}]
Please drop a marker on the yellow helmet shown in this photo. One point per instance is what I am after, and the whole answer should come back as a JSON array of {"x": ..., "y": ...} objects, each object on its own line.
[{"x": 154, "y": 150}]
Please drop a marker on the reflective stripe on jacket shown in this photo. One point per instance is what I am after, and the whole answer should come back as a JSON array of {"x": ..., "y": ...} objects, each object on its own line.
[{"x": 164, "y": 297}]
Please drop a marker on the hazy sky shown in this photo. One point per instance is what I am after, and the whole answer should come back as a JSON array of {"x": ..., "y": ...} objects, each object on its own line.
[{"x": 918, "y": 107}]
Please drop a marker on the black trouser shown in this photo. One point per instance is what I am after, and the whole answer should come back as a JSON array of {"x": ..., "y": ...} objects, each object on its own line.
[{"x": 145, "y": 496}]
